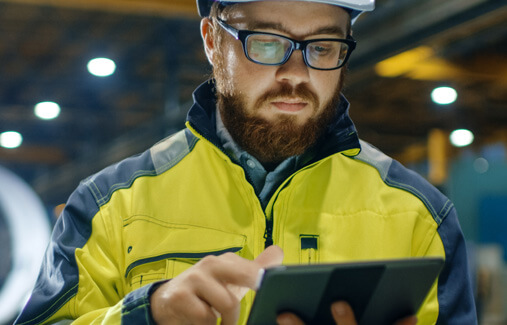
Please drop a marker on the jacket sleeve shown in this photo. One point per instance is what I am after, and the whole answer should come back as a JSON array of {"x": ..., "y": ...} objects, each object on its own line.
[
  {"x": 455, "y": 294},
  {"x": 80, "y": 277}
]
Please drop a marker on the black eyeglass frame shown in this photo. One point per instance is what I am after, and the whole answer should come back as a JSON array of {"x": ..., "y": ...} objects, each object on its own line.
[{"x": 243, "y": 35}]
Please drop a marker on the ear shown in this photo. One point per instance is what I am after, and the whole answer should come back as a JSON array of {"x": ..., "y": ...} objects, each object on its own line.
[{"x": 207, "y": 38}]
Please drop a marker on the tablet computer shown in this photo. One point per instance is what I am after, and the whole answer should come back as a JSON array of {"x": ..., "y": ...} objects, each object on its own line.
[{"x": 379, "y": 292}]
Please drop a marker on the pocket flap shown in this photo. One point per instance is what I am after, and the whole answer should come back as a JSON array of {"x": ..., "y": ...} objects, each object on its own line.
[{"x": 168, "y": 241}]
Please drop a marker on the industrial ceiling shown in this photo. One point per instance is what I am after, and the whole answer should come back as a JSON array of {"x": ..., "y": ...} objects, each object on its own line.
[{"x": 405, "y": 49}]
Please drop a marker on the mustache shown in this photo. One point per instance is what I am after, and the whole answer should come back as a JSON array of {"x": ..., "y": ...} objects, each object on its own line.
[{"x": 286, "y": 91}]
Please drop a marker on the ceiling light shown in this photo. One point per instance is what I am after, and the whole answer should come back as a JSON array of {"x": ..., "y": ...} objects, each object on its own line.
[
  {"x": 461, "y": 137},
  {"x": 101, "y": 67},
  {"x": 10, "y": 139},
  {"x": 47, "y": 110},
  {"x": 444, "y": 95}
]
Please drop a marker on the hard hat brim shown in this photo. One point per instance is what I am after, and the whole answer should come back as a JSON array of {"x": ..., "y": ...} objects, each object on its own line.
[{"x": 356, "y": 6}]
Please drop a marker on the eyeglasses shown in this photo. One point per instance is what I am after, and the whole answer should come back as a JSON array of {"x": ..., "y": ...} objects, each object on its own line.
[{"x": 273, "y": 49}]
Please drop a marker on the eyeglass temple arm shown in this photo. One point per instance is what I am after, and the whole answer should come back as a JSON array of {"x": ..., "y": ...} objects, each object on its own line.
[{"x": 231, "y": 30}]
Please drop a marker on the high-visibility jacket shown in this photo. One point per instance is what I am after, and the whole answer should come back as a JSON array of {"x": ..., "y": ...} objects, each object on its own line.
[{"x": 152, "y": 216}]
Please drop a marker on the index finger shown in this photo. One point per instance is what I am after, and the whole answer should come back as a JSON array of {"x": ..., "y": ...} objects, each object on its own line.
[
  {"x": 271, "y": 256},
  {"x": 251, "y": 271},
  {"x": 231, "y": 269}
]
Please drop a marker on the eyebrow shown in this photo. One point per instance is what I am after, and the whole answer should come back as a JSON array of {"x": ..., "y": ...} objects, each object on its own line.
[{"x": 336, "y": 30}]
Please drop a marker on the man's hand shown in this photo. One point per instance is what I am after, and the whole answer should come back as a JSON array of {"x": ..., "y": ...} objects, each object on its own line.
[
  {"x": 211, "y": 288},
  {"x": 342, "y": 314}
]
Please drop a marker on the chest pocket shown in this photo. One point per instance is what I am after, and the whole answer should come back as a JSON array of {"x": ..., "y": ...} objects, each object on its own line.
[
  {"x": 309, "y": 249},
  {"x": 162, "y": 251}
]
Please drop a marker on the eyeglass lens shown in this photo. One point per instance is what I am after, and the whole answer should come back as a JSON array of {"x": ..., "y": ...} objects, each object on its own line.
[
  {"x": 267, "y": 49},
  {"x": 272, "y": 49}
]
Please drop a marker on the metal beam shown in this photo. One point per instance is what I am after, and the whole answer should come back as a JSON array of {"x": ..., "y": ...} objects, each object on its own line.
[
  {"x": 44, "y": 155},
  {"x": 407, "y": 23},
  {"x": 165, "y": 8}
]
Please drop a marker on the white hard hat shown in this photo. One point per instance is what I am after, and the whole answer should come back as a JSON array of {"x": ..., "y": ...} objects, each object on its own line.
[{"x": 355, "y": 7}]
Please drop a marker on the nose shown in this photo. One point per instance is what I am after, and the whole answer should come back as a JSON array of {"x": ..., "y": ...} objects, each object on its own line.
[{"x": 294, "y": 71}]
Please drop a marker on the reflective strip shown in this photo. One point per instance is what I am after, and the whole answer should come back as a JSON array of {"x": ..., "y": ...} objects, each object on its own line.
[
  {"x": 170, "y": 151},
  {"x": 376, "y": 158}
]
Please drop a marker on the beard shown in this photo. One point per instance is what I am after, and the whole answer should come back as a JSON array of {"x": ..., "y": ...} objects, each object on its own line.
[{"x": 272, "y": 141}]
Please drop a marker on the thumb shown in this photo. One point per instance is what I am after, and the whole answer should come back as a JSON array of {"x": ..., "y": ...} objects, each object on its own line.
[{"x": 271, "y": 256}]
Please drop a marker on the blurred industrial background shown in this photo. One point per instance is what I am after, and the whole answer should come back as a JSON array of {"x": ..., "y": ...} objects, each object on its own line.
[{"x": 406, "y": 50}]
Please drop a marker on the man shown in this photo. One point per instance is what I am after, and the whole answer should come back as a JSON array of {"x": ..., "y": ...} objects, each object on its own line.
[{"x": 269, "y": 156}]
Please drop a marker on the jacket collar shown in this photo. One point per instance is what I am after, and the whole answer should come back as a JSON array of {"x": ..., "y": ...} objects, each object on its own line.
[{"x": 341, "y": 135}]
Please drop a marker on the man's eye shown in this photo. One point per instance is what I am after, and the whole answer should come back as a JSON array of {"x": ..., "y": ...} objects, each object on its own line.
[{"x": 321, "y": 49}]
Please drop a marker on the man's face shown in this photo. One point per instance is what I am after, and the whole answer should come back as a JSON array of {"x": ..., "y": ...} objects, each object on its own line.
[{"x": 274, "y": 112}]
